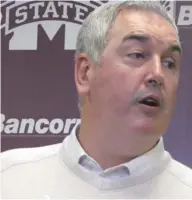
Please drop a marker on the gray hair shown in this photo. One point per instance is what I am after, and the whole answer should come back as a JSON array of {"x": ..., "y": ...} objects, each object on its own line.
[{"x": 92, "y": 37}]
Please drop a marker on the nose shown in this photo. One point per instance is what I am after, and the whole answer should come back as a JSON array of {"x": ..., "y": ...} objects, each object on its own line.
[{"x": 155, "y": 76}]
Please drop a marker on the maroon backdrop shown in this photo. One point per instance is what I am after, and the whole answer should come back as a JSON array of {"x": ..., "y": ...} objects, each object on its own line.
[{"x": 39, "y": 102}]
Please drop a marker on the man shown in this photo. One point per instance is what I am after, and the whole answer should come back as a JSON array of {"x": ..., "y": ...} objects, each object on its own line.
[{"x": 127, "y": 67}]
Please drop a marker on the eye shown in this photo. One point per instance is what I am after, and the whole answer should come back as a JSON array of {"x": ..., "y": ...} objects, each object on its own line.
[
  {"x": 136, "y": 55},
  {"x": 169, "y": 63}
]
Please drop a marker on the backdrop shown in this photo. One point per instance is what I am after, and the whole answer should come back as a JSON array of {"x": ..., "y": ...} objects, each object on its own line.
[{"x": 39, "y": 101}]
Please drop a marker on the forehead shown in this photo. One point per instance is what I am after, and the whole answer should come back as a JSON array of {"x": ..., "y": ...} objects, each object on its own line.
[{"x": 147, "y": 22}]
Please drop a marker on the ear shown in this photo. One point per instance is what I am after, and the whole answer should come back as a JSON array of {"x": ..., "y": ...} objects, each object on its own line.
[{"x": 83, "y": 73}]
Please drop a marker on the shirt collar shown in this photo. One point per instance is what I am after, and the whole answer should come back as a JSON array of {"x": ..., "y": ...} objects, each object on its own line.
[
  {"x": 73, "y": 146},
  {"x": 135, "y": 166}
]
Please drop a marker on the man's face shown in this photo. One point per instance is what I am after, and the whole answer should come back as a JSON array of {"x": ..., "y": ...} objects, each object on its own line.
[{"x": 136, "y": 84}]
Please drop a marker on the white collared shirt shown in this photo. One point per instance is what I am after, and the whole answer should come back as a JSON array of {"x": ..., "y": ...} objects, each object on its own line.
[
  {"x": 60, "y": 172},
  {"x": 77, "y": 153}
]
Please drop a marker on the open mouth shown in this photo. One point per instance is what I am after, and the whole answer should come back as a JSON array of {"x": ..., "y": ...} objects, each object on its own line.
[{"x": 150, "y": 101}]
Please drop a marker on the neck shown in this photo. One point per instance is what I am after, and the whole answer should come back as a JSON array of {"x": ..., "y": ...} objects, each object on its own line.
[{"x": 111, "y": 145}]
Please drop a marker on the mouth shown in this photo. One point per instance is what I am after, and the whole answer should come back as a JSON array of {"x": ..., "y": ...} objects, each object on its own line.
[{"x": 150, "y": 101}]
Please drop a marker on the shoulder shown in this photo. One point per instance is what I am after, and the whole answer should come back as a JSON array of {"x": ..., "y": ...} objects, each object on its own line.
[
  {"x": 181, "y": 172},
  {"x": 15, "y": 157}
]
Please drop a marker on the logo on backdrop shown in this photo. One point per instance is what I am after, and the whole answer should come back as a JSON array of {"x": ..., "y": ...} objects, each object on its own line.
[
  {"x": 180, "y": 11},
  {"x": 24, "y": 18},
  {"x": 40, "y": 126}
]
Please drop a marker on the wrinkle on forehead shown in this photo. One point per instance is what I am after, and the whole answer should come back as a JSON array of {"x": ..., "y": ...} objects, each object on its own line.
[
  {"x": 154, "y": 35},
  {"x": 144, "y": 22}
]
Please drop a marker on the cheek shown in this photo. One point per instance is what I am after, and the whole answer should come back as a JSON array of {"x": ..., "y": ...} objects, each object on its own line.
[
  {"x": 112, "y": 87},
  {"x": 172, "y": 87}
]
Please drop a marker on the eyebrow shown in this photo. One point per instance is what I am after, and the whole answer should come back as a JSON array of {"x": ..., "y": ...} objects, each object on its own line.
[
  {"x": 175, "y": 48},
  {"x": 138, "y": 37},
  {"x": 144, "y": 38}
]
